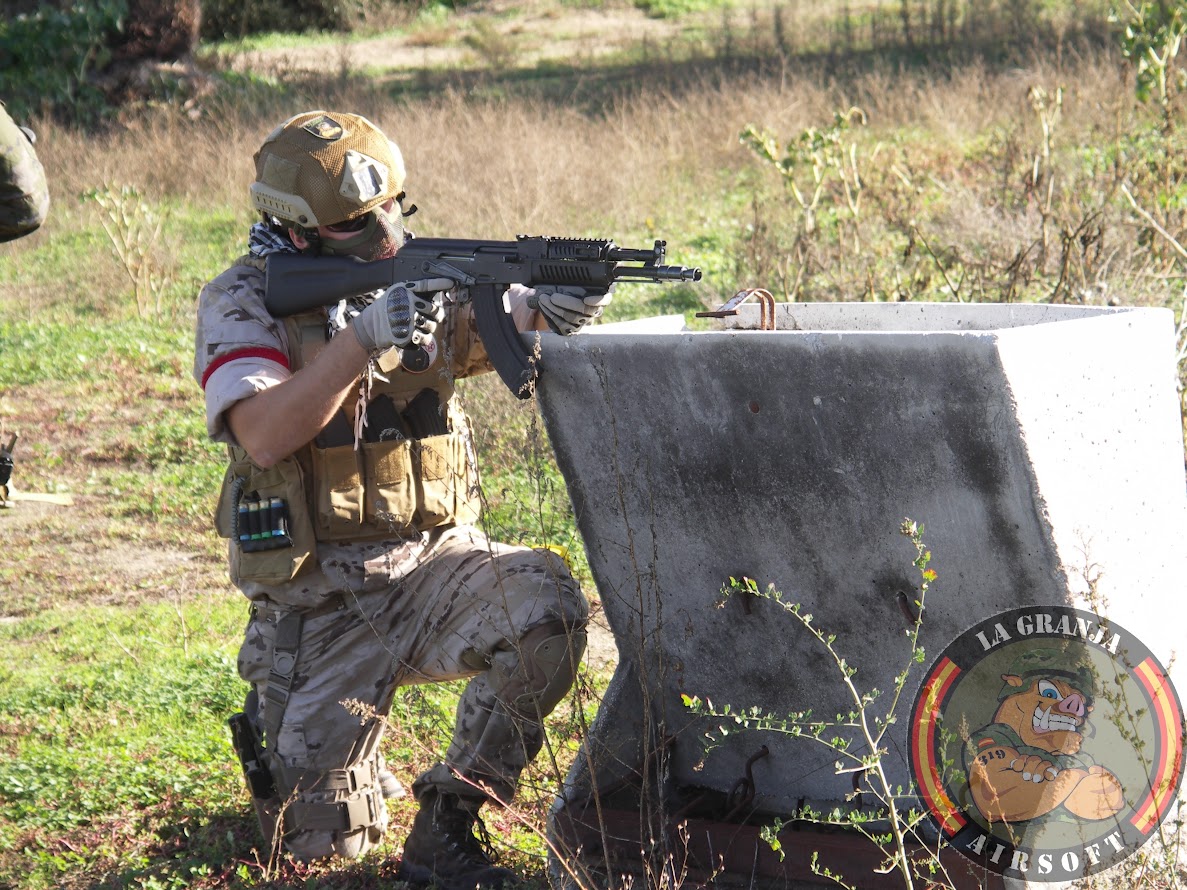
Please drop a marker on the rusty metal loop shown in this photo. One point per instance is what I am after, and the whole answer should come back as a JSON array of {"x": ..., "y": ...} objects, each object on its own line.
[
  {"x": 767, "y": 309},
  {"x": 741, "y": 795},
  {"x": 730, "y": 307}
]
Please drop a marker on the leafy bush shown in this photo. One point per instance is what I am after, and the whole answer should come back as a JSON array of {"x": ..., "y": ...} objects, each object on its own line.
[
  {"x": 45, "y": 57},
  {"x": 222, "y": 19}
]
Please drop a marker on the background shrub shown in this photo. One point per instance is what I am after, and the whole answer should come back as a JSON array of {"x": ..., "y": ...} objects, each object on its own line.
[{"x": 46, "y": 56}]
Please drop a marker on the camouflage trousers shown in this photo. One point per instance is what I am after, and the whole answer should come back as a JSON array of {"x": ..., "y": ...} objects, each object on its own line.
[{"x": 469, "y": 608}]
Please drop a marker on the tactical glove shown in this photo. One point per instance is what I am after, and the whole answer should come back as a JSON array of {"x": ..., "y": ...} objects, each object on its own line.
[
  {"x": 567, "y": 308},
  {"x": 405, "y": 315}
]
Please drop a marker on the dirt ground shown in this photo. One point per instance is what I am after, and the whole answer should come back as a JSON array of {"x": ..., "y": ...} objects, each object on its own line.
[{"x": 126, "y": 572}]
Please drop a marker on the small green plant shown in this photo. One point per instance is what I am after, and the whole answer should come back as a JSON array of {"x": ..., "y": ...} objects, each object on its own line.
[
  {"x": 133, "y": 226},
  {"x": 821, "y": 172},
  {"x": 1151, "y": 40},
  {"x": 810, "y": 161},
  {"x": 495, "y": 48},
  {"x": 891, "y": 826},
  {"x": 1152, "y": 36}
]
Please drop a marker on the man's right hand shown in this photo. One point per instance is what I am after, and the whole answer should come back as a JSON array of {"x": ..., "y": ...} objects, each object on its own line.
[{"x": 405, "y": 315}]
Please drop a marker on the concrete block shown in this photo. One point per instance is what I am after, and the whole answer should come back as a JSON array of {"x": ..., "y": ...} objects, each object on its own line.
[{"x": 1039, "y": 445}]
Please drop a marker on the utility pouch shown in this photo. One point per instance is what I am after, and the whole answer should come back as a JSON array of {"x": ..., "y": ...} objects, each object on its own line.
[
  {"x": 274, "y": 543},
  {"x": 390, "y": 493},
  {"x": 445, "y": 481},
  {"x": 339, "y": 492}
]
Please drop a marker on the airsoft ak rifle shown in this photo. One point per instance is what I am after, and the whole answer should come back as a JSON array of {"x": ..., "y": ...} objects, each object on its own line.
[{"x": 297, "y": 283}]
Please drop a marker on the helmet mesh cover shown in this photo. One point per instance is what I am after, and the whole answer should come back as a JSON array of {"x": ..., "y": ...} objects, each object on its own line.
[{"x": 322, "y": 168}]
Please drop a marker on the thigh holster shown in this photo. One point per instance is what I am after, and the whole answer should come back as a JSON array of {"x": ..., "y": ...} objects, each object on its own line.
[{"x": 340, "y": 800}]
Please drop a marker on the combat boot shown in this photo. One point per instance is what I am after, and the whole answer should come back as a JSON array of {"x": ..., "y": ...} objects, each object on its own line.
[{"x": 442, "y": 850}]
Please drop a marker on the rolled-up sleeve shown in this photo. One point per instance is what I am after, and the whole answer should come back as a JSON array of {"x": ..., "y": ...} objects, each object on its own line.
[
  {"x": 232, "y": 382},
  {"x": 240, "y": 349}
]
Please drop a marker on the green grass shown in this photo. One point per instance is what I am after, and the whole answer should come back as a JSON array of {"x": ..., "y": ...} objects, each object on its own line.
[
  {"x": 46, "y": 350},
  {"x": 112, "y": 710},
  {"x": 115, "y": 761}
]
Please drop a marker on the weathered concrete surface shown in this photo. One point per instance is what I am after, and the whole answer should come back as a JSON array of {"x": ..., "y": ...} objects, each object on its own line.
[{"x": 1040, "y": 446}]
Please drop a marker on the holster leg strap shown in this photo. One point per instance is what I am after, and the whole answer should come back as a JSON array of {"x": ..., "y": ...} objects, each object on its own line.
[{"x": 280, "y": 677}]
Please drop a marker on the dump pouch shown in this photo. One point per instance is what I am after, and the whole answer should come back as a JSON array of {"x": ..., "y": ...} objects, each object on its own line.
[{"x": 285, "y": 482}]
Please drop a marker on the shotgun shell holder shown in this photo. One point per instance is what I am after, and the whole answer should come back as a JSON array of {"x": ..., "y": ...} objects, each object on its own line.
[{"x": 261, "y": 523}]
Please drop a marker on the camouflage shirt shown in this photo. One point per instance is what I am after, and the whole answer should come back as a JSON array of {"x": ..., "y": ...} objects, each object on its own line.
[
  {"x": 241, "y": 350},
  {"x": 1005, "y": 736},
  {"x": 24, "y": 196}
]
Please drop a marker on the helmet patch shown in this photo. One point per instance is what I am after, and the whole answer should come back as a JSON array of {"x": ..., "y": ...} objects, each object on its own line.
[
  {"x": 324, "y": 127},
  {"x": 363, "y": 178}
]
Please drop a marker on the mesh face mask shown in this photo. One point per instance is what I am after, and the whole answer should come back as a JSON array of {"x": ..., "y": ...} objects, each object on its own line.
[{"x": 378, "y": 239}]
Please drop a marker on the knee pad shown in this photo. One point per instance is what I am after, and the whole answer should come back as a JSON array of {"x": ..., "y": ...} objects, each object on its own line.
[{"x": 532, "y": 677}]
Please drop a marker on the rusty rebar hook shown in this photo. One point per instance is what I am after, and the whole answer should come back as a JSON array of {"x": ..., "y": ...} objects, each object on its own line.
[
  {"x": 730, "y": 307},
  {"x": 742, "y": 794}
]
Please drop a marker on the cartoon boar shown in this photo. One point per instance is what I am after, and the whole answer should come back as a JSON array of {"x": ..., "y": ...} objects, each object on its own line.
[{"x": 1027, "y": 763}]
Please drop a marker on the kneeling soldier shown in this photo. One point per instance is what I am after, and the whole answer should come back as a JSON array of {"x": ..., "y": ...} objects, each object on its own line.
[{"x": 350, "y": 502}]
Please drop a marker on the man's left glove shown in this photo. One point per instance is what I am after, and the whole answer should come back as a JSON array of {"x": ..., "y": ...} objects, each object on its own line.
[
  {"x": 405, "y": 315},
  {"x": 567, "y": 308}
]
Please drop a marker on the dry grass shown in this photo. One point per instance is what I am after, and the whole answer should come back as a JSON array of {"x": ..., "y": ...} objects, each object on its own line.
[{"x": 671, "y": 155}]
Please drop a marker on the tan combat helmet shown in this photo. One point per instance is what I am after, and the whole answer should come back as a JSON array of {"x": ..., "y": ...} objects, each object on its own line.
[{"x": 321, "y": 168}]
